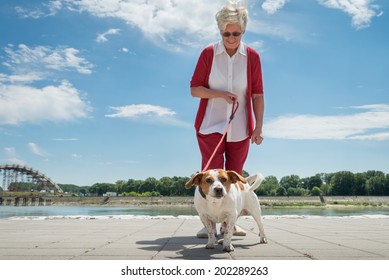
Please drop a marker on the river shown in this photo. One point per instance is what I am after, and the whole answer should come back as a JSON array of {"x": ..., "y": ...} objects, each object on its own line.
[{"x": 50, "y": 211}]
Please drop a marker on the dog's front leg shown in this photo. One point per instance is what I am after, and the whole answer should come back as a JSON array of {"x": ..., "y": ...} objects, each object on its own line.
[
  {"x": 229, "y": 230},
  {"x": 211, "y": 228}
]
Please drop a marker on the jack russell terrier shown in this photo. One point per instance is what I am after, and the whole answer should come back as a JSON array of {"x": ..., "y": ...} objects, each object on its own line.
[{"x": 221, "y": 197}]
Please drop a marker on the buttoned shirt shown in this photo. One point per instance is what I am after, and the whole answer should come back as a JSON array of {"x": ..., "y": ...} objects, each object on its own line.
[
  {"x": 227, "y": 74},
  {"x": 254, "y": 83}
]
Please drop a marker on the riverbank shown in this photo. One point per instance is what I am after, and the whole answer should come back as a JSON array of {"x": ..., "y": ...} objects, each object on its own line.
[
  {"x": 188, "y": 201},
  {"x": 279, "y": 201}
]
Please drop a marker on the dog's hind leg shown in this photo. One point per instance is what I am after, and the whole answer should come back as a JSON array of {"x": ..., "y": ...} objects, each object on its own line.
[
  {"x": 257, "y": 217},
  {"x": 262, "y": 236},
  {"x": 255, "y": 210}
]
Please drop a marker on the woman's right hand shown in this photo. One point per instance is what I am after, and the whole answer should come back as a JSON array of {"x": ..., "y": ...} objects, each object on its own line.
[{"x": 230, "y": 97}]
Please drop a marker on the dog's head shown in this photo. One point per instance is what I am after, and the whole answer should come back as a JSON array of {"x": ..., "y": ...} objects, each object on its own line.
[{"x": 216, "y": 182}]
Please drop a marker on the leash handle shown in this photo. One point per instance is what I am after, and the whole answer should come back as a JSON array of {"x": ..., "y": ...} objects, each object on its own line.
[{"x": 235, "y": 107}]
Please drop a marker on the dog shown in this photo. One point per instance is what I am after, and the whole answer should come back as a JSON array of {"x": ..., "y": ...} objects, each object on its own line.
[{"x": 222, "y": 196}]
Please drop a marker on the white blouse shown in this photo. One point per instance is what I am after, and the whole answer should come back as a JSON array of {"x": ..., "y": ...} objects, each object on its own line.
[{"x": 227, "y": 74}]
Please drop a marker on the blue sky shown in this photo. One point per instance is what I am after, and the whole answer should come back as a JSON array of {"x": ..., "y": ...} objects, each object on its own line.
[{"x": 98, "y": 90}]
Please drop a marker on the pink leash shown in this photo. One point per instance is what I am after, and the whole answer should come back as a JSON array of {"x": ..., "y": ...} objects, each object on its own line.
[{"x": 235, "y": 107}]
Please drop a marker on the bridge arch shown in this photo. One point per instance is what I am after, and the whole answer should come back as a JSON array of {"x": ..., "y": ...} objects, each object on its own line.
[{"x": 13, "y": 174}]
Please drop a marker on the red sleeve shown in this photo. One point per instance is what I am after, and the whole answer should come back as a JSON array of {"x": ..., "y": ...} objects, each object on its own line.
[
  {"x": 254, "y": 78},
  {"x": 257, "y": 84},
  {"x": 203, "y": 68},
  {"x": 200, "y": 78}
]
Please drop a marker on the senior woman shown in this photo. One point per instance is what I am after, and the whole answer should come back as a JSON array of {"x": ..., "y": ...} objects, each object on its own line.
[{"x": 228, "y": 72}]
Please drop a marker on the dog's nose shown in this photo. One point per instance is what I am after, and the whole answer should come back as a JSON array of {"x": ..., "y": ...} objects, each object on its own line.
[{"x": 219, "y": 191}]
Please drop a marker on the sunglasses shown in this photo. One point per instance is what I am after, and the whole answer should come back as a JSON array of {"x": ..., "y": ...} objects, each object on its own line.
[{"x": 228, "y": 34}]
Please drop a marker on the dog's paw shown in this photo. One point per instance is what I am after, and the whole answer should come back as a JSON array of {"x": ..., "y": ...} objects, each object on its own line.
[
  {"x": 228, "y": 248},
  {"x": 210, "y": 246},
  {"x": 262, "y": 240}
]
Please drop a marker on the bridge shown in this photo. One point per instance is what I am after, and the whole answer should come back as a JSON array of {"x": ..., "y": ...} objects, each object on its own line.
[{"x": 13, "y": 175}]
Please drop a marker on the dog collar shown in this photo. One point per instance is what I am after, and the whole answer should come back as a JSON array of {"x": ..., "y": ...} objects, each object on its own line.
[{"x": 202, "y": 193}]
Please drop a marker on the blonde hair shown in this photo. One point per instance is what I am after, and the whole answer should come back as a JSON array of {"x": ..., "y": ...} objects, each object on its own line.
[{"x": 233, "y": 12}]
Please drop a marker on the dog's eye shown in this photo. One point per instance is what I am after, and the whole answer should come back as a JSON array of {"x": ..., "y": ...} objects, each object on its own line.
[
  {"x": 209, "y": 181},
  {"x": 223, "y": 180}
]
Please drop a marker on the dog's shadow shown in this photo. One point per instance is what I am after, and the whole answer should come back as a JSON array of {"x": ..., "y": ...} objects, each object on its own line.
[{"x": 189, "y": 248}]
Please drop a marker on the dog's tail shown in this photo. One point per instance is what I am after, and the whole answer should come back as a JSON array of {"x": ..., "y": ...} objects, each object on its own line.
[{"x": 254, "y": 181}]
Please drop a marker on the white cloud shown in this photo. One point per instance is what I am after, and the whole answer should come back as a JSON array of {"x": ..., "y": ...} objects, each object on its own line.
[
  {"x": 178, "y": 24},
  {"x": 372, "y": 124},
  {"x": 36, "y": 150},
  {"x": 272, "y": 6},
  {"x": 23, "y": 78},
  {"x": 175, "y": 24},
  {"x": 77, "y": 156},
  {"x": 102, "y": 38},
  {"x": 147, "y": 113},
  {"x": 377, "y": 136},
  {"x": 47, "y": 9},
  {"x": 361, "y": 11},
  {"x": 257, "y": 45},
  {"x": 26, "y": 104},
  {"x": 141, "y": 110},
  {"x": 12, "y": 156},
  {"x": 127, "y": 51},
  {"x": 171, "y": 24},
  {"x": 41, "y": 60}
]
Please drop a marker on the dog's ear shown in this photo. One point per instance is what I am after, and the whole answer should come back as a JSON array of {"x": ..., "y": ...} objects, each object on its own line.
[
  {"x": 235, "y": 177},
  {"x": 195, "y": 180}
]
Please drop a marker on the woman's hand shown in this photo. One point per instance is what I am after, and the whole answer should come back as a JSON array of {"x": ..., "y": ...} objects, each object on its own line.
[
  {"x": 258, "y": 106},
  {"x": 257, "y": 136},
  {"x": 230, "y": 97}
]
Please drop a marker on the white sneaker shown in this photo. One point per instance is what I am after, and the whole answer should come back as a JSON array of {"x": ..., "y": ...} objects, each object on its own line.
[
  {"x": 238, "y": 231},
  {"x": 203, "y": 233}
]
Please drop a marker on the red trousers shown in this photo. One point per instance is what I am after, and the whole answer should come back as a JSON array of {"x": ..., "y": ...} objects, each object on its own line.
[{"x": 229, "y": 156}]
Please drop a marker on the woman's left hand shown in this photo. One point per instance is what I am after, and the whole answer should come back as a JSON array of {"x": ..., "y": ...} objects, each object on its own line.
[{"x": 257, "y": 137}]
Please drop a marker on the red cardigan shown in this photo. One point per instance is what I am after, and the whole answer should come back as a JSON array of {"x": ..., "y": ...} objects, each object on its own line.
[{"x": 254, "y": 82}]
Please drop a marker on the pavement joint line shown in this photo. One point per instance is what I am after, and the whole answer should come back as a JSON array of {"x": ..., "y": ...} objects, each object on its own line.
[
  {"x": 118, "y": 239},
  {"x": 335, "y": 243},
  {"x": 168, "y": 240},
  {"x": 322, "y": 240},
  {"x": 282, "y": 245}
]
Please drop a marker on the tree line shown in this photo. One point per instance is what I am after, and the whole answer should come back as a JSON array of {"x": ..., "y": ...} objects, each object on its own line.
[{"x": 338, "y": 183}]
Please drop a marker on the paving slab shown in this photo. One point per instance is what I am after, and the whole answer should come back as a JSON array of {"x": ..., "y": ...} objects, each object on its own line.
[{"x": 173, "y": 238}]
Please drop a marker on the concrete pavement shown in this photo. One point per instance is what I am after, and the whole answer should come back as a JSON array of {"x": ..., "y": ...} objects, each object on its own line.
[{"x": 173, "y": 238}]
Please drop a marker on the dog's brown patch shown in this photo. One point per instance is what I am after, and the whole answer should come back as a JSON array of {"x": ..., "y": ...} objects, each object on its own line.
[
  {"x": 235, "y": 177},
  {"x": 205, "y": 179},
  {"x": 239, "y": 185}
]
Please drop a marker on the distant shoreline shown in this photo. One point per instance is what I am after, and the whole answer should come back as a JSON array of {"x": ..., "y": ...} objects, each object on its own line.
[{"x": 187, "y": 201}]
